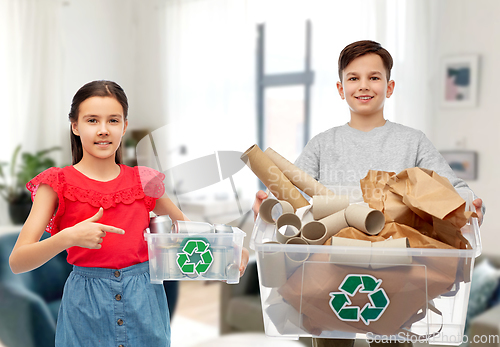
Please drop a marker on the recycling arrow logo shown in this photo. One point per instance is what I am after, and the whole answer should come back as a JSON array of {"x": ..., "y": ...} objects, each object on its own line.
[
  {"x": 372, "y": 311},
  {"x": 196, "y": 257}
]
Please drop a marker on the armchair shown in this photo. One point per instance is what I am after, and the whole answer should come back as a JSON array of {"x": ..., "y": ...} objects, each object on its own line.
[{"x": 29, "y": 302}]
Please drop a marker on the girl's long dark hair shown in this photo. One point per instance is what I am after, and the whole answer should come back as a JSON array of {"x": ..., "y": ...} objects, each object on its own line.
[{"x": 95, "y": 88}]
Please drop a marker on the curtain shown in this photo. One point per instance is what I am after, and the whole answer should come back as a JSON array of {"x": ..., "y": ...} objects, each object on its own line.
[
  {"x": 407, "y": 29},
  {"x": 31, "y": 75}
]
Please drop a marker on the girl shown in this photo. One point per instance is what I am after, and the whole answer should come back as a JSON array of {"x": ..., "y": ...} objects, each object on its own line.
[{"x": 97, "y": 210}]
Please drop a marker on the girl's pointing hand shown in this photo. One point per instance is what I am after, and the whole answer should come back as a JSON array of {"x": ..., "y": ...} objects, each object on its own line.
[{"x": 89, "y": 233}]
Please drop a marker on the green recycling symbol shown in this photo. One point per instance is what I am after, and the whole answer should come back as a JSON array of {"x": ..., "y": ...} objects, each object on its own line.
[
  {"x": 195, "y": 257},
  {"x": 372, "y": 311}
]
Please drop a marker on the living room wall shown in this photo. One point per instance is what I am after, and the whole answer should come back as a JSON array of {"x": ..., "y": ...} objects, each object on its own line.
[{"x": 471, "y": 27}]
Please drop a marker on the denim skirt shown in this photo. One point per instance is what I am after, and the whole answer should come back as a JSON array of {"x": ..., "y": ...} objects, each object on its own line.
[{"x": 115, "y": 308}]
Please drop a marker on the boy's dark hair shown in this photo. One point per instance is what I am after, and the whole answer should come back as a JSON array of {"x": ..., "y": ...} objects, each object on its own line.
[
  {"x": 359, "y": 48},
  {"x": 94, "y": 88}
]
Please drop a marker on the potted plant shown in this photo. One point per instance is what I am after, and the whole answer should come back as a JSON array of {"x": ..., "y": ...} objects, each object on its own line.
[{"x": 13, "y": 181}]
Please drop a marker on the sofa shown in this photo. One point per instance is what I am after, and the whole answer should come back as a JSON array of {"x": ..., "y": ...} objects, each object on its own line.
[{"x": 241, "y": 310}]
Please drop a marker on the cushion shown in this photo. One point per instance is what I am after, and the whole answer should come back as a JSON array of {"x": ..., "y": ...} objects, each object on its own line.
[
  {"x": 495, "y": 299},
  {"x": 484, "y": 282}
]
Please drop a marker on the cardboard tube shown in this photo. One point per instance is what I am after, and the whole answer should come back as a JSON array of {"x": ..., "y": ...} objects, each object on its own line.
[
  {"x": 364, "y": 218},
  {"x": 266, "y": 209},
  {"x": 294, "y": 260},
  {"x": 325, "y": 205},
  {"x": 298, "y": 177},
  {"x": 305, "y": 214},
  {"x": 314, "y": 233},
  {"x": 334, "y": 222},
  {"x": 379, "y": 261},
  {"x": 272, "y": 269},
  {"x": 272, "y": 177},
  {"x": 349, "y": 258},
  {"x": 287, "y": 219}
]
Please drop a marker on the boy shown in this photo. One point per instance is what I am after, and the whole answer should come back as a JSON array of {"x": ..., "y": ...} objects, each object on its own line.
[{"x": 341, "y": 156}]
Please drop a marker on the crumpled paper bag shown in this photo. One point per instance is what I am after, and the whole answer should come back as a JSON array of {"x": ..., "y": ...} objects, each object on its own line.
[
  {"x": 421, "y": 199},
  {"x": 408, "y": 287}
]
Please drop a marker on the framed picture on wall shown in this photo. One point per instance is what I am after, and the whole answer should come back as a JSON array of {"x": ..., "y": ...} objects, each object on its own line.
[
  {"x": 463, "y": 163},
  {"x": 460, "y": 81}
]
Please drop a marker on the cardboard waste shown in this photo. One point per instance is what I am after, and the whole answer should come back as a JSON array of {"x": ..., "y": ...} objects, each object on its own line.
[{"x": 366, "y": 291}]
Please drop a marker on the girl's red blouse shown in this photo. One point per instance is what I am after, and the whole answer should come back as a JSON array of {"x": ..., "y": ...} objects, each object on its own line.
[{"x": 126, "y": 200}]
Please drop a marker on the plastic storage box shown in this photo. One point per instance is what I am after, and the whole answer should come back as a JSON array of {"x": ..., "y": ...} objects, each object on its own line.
[
  {"x": 380, "y": 294},
  {"x": 190, "y": 256}
]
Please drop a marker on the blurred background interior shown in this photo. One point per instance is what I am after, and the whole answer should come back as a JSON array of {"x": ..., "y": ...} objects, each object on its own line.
[{"x": 207, "y": 76}]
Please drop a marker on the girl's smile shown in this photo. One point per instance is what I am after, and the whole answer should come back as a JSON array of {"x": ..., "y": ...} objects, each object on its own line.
[
  {"x": 100, "y": 126},
  {"x": 364, "y": 98},
  {"x": 103, "y": 144}
]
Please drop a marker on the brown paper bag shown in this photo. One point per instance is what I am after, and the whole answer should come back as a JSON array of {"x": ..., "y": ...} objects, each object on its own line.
[
  {"x": 408, "y": 287},
  {"x": 421, "y": 199}
]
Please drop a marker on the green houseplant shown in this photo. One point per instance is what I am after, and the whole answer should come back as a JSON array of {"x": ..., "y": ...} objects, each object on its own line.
[{"x": 15, "y": 175}]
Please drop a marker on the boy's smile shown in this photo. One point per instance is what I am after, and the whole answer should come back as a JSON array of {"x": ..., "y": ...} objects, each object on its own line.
[{"x": 365, "y": 87}]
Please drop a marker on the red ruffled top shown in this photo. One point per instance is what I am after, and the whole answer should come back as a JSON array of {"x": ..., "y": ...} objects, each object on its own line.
[{"x": 126, "y": 200}]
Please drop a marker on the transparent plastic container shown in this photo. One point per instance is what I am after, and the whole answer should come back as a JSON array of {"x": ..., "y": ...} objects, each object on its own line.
[
  {"x": 379, "y": 294},
  {"x": 195, "y": 256}
]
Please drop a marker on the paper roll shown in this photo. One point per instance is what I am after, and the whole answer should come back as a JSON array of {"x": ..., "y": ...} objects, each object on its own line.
[
  {"x": 285, "y": 220},
  {"x": 305, "y": 214},
  {"x": 298, "y": 177},
  {"x": 296, "y": 241},
  {"x": 315, "y": 233},
  {"x": 272, "y": 269},
  {"x": 364, "y": 218},
  {"x": 267, "y": 206},
  {"x": 294, "y": 260},
  {"x": 325, "y": 205},
  {"x": 347, "y": 256},
  {"x": 334, "y": 222},
  {"x": 272, "y": 177},
  {"x": 379, "y": 261}
]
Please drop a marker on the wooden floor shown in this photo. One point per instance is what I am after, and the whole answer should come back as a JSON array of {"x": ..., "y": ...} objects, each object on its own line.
[{"x": 199, "y": 301}]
